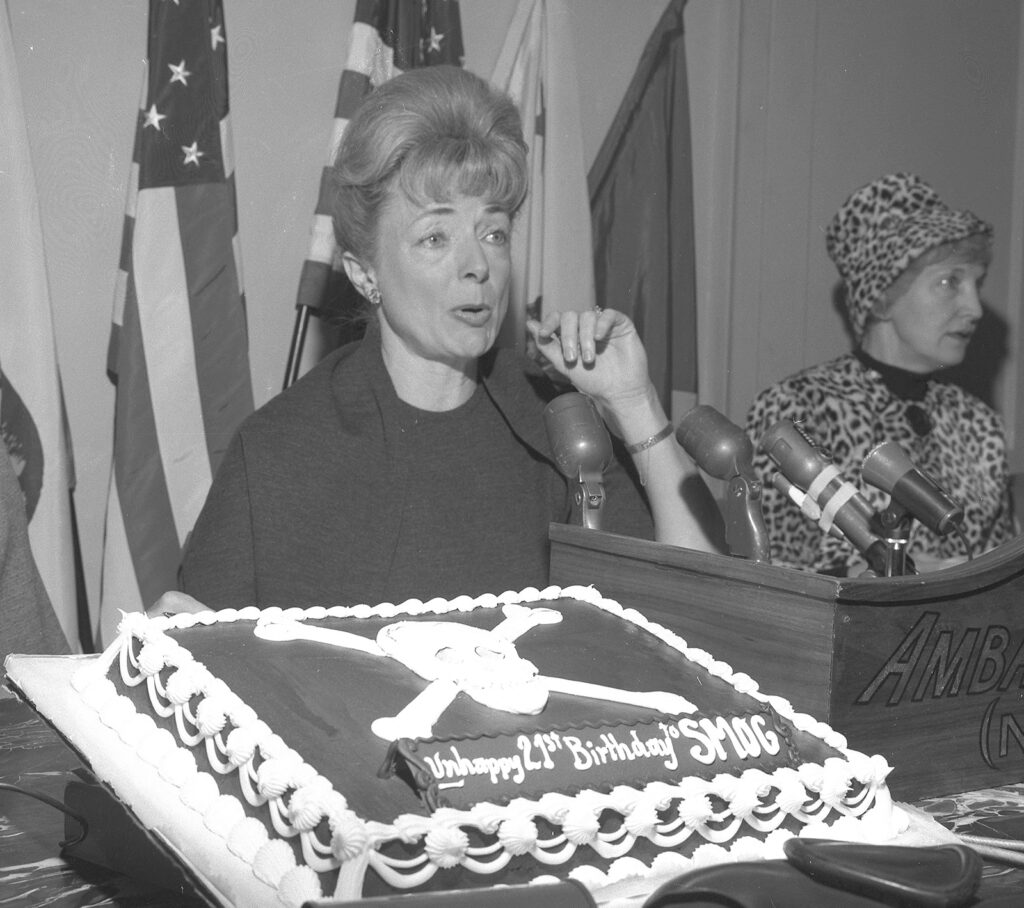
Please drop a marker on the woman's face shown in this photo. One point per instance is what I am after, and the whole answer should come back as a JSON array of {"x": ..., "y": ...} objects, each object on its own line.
[
  {"x": 932, "y": 323},
  {"x": 443, "y": 270}
]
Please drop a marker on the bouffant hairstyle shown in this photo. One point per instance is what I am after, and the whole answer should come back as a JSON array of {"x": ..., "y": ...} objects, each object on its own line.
[{"x": 432, "y": 133}]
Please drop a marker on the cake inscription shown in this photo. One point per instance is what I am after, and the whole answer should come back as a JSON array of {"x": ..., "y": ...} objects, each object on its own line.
[{"x": 461, "y": 771}]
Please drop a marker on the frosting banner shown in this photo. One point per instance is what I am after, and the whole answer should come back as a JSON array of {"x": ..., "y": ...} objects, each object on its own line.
[{"x": 462, "y": 771}]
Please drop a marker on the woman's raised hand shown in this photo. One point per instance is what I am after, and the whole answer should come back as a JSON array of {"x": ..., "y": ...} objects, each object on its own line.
[{"x": 599, "y": 351}]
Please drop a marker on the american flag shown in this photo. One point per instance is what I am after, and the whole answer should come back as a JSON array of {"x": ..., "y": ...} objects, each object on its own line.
[
  {"x": 178, "y": 347},
  {"x": 552, "y": 259},
  {"x": 388, "y": 37}
]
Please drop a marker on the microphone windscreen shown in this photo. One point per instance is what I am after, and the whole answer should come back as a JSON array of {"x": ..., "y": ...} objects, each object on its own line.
[
  {"x": 717, "y": 445},
  {"x": 580, "y": 443},
  {"x": 889, "y": 468}
]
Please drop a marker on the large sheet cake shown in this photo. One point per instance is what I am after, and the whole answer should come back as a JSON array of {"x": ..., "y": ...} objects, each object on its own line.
[{"x": 294, "y": 754}]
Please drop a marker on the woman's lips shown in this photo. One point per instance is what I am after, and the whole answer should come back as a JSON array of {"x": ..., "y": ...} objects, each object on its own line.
[{"x": 475, "y": 316}]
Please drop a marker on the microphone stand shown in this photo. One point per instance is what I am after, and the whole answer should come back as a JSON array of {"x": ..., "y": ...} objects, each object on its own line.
[
  {"x": 895, "y": 521},
  {"x": 745, "y": 530}
]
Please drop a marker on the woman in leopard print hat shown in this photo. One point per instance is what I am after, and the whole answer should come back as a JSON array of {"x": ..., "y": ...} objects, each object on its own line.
[{"x": 912, "y": 269}]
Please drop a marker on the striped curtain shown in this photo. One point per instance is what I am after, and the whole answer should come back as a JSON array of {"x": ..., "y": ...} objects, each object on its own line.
[
  {"x": 178, "y": 348},
  {"x": 388, "y": 37}
]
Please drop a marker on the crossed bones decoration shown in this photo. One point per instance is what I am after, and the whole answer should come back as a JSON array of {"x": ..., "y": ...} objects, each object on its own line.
[{"x": 456, "y": 658}]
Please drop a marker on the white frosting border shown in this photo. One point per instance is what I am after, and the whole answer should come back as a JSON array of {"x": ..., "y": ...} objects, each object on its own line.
[{"x": 298, "y": 798}]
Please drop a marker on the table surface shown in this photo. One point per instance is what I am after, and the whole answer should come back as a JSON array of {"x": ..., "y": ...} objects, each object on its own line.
[{"x": 33, "y": 873}]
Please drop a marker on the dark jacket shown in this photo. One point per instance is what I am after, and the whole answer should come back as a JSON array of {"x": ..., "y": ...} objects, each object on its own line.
[{"x": 306, "y": 507}]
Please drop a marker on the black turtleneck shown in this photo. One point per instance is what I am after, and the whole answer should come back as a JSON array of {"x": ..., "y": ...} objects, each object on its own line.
[{"x": 905, "y": 385}]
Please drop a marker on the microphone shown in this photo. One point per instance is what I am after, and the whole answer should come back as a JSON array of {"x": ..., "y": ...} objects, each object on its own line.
[
  {"x": 816, "y": 484},
  {"x": 582, "y": 449},
  {"x": 723, "y": 450},
  {"x": 719, "y": 447},
  {"x": 888, "y": 467}
]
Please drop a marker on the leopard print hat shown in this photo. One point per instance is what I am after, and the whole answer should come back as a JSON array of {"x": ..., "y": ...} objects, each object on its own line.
[{"x": 881, "y": 229}]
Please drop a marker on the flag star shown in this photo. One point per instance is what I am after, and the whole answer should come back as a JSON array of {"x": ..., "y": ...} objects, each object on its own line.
[
  {"x": 153, "y": 118},
  {"x": 435, "y": 39},
  {"x": 192, "y": 153},
  {"x": 179, "y": 73},
  {"x": 216, "y": 37}
]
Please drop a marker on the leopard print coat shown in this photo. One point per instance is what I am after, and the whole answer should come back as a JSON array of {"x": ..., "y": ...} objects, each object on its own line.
[{"x": 847, "y": 407}]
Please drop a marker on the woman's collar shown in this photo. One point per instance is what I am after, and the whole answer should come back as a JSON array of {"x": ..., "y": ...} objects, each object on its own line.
[{"x": 902, "y": 383}]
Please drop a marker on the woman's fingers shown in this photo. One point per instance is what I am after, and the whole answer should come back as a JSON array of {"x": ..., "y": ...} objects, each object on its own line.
[
  {"x": 575, "y": 335},
  {"x": 589, "y": 324}
]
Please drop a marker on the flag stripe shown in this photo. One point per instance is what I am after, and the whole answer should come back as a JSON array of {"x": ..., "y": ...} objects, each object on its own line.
[
  {"x": 323, "y": 246},
  {"x": 139, "y": 486},
  {"x": 120, "y": 583},
  {"x": 206, "y": 223},
  {"x": 313, "y": 283},
  {"x": 323, "y": 202},
  {"x": 369, "y": 55},
  {"x": 165, "y": 322},
  {"x": 353, "y": 87}
]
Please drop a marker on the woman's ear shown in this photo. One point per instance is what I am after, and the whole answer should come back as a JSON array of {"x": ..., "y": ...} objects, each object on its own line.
[{"x": 363, "y": 278}]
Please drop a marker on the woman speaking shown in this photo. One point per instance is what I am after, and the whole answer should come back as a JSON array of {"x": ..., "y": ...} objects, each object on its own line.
[{"x": 415, "y": 462}]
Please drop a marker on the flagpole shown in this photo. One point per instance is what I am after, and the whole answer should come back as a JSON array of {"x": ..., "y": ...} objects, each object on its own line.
[{"x": 291, "y": 372}]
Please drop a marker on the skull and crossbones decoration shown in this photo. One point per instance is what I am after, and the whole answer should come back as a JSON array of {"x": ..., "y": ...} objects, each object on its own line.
[{"x": 481, "y": 663}]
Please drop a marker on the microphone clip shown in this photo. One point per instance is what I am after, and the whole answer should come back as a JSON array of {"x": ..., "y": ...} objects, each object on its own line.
[
  {"x": 588, "y": 500},
  {"x": 895, "y": 522}
]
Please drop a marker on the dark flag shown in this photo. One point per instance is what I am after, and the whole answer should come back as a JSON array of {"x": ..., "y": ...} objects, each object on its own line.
[
  {"x": 641, "y": 198},
  {"x": 388, "y": 37},
  {"x": 179, "y": 352}
]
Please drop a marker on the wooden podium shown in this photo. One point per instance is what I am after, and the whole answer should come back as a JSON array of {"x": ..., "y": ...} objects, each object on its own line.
[{"x": 926, "y": 670}]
